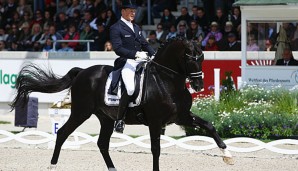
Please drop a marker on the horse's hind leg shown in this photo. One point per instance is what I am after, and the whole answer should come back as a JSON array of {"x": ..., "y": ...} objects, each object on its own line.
[
  {"x": 62, "y": 134},
  {"x": 106, "y": 131}
]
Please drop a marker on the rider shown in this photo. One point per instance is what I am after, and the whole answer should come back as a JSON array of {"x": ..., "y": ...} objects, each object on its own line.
[{"x": 132, "y": 48}]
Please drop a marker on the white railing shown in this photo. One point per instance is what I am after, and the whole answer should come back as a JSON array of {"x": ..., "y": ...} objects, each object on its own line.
[
  {"x": 139, "y": 141},
  {"x": 80, "y": 41}
]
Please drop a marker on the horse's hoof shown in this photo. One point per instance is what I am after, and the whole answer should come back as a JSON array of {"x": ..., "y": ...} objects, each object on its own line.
[
  {"x": 228, "y": 160},
  {"x": 52, "y": 167}
]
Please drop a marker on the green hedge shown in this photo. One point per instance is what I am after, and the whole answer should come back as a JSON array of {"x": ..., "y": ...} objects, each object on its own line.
[{"x": 251, "y": 112}]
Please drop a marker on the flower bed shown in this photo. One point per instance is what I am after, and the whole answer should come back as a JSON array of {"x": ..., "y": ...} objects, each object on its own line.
[{"x": 251, "y": 112}]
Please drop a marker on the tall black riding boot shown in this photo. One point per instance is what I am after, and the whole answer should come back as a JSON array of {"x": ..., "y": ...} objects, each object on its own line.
[{"x": 123, "y": 105}]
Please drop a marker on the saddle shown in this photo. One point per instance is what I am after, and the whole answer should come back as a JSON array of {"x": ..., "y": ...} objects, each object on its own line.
[{"x": 114, "y": 88}]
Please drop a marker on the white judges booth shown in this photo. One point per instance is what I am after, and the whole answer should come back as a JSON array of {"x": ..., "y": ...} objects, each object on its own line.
[{"x": 260, "y": 18}]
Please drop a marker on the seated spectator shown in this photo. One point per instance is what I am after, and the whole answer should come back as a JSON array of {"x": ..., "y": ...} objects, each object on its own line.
[
  {"x": 72, "y": 34},
  {"x": 194, "y": 15},
  {"x": 202, "y": 20},
  {"x": 181, "y": 29},
  {"x": 24, "y": 7},
  {"x": 55, "y": 35},
  {"x": 86, "y": 34},
  {"x": 65, "y": 47},
  {"x": 269, "y": 46},
  {"x": 110, "y": 19},
  {"x": 167, "y": 19},
  {"x": 194, "y": 31},
  {"x": 13, "y": 36},
  {"x": 36, "y": 47},
  {"x": 48, "y": 47},
  {"x": 108, "y": 46},
  {"x": 25, "y": 35},
  {"x": 221, "y": 19},
  {"x": 74, "y": 5},
  {"x": 101, "y": 18},
  {"x": 87, "y": 19},
  {"x": 62, "y": 8},
  {"x": 236, "y": 17},
  {"x": 15, "y": 46},
  {"x": 287, "y": 58},
  {"x": 76, "y": 19},
  {"x": 100, "y": 5},
  {"x": 2, "y": 46},
  {"x": 252, "y": 44},
  {"x": 214, "y": 31},
  {"x": 25, "y": 18},
  {"x": 173, "y": 33},
  {"x": 3, "y": 35},
  {"x": 184, "y": 16},
  {"x": 38, "y": 18},
  {"x": 232, "y": 44},
  {"x": 161, "y": 35},
  {"x": 88, "y": 6},
  {"x": 100, "y": 38},
  {"x": 211, "y": 44},
  {"x": 152, "y": 39},
  {"x": 62, "y": 24},
  {"x": 48, "y": 18},
  {"x": 15, "y": 19}
]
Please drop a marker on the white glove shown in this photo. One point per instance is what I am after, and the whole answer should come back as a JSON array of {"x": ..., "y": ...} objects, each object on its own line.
[{"x": 141, "y": 56}]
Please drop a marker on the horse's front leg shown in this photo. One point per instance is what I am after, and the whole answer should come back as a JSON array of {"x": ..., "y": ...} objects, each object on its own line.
[
  {"x": 197, "y": 121},
  {"x": 154, "y": 129}
]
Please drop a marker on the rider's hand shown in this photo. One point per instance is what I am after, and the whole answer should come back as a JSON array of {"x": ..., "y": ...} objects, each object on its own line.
[{"x": 141, "y": 56}]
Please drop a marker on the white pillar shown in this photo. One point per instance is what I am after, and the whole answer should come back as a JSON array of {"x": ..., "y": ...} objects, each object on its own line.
[{"x": 216, "y": 83}]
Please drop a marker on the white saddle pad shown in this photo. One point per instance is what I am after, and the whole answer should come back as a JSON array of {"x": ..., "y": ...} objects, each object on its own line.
[{"x": 113, "y": 100}]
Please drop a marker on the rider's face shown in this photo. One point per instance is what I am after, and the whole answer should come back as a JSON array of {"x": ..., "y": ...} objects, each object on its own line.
[{"x": 128, "y": 14}]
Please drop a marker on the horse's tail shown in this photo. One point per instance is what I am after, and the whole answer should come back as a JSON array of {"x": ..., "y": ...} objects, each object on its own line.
[{"x": 32, "y": 78}]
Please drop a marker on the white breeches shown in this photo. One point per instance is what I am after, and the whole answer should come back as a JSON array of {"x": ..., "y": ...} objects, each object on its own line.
[{"x": 128, "y": 75}]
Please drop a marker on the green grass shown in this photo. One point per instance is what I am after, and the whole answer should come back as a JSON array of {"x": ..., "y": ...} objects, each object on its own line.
[{"x": 4, "y": 122}]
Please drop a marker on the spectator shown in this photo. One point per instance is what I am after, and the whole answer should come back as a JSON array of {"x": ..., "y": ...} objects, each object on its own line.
[
  {"x": 110, "y": 19},
  {"x": 167, "y": 19},
  {"x": 25, "y": 34},
  {"x": 62, "y": 24},
  {"x": 108, "y": 46},
  {"x": 55, "y": 35},
  {"x": 101, "y": 18},
  {"x": 48, "y": 18},
  {"x": 38, "y": 19},
  {"x": 9, "y": 8},
  {"x": 45, "y": 35},
  {"x": 202, "y": 20},
  {"x": 232, "y": 44},
  {"x": 74, "y": 5},
  {"x": 161, "y": 35},
  {"x": 51, "y": 6},
  {"x": 87, "y": 19},
  {"x": 194, "y": 15},
  {"x": 72, "y": 34},
  {"x": 62, "y": 8},
  {"x": 287, "y": 58},
  {"x": 270, "y": 32},
  {"x": 194, "y": 31},
  {"x": 100, "y": 5},
  {"x": 15, "y": 19},
  {"x": 184, "y": 16},
  {"x": 211, "y": 44},
  {"x": 65, "y": 47},
  {"x": 236, "y": 17},
  {"x": 88, "y": 6},
  {"x": 2, "y": 45},
  {"x": 76, "y": 19},
  {"x": 36, "y": 33},
  {"x": 221, "y": 19},
  {"x": 173, "y": 33},
  {"x": 100, "y": 38},
  {"x": 252, "y": 44},
  {"x": 215, "y": 32},
  {"x": 15, "y": 46},
  {"x": 269, "y": 46},
  {"x": 153, "y": 42},
  {"x": 3, "y": 35},
  {"x": 13, "y": 36},
  {"x": 86, "y": 34},
  {"x": 181, "y": 29},
  {"x": 24, "y": 7},
  {"x": 26, "y": 18},
  {"x": 48, "y": 47},
  {"x": 36, "y": 47}
]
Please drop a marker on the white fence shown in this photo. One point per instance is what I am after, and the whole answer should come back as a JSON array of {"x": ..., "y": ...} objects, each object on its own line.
[{"x": 82, "y": 138}]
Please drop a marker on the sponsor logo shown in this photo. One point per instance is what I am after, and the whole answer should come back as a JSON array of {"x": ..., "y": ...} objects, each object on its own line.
[
  {"x": 8, "y": 79},
  {"x": 295, "y": 76}
]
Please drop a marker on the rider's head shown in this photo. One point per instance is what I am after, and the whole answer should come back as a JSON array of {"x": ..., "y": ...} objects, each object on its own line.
[{"x": 128, "y": 9}]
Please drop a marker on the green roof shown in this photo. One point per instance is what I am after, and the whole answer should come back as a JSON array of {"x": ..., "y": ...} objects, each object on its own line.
[{"x": 265, "y": 2}]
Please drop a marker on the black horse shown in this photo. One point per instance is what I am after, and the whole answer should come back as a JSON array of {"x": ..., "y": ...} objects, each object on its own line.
[{"x": 166, "y": 99}]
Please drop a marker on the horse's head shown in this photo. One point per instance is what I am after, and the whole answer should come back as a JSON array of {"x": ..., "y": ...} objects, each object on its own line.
[{"x": 194, "y": 58}]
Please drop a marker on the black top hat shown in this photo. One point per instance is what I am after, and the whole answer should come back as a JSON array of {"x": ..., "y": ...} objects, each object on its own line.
[{"x": 129, "y": 4}]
